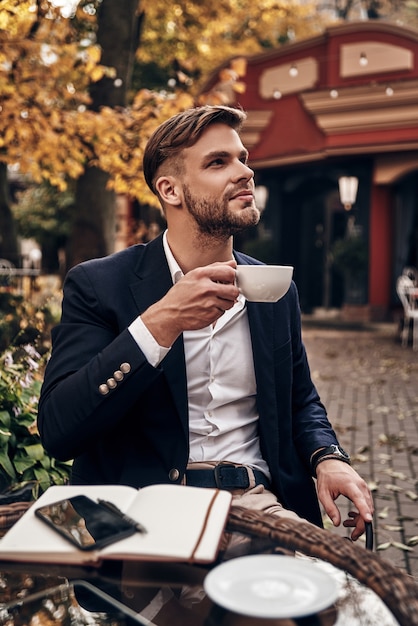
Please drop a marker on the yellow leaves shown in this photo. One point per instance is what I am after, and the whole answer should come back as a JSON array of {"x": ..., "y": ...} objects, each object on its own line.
[
  {"x": 118, "y": 138},
  {"x": 43, "y": 122},
  {"x": 16, "y": 18},
  {"x": 44, "y": 78},
  {"x": 9, "y": 135},
  {"x": 93, "y": 70},
  {"x": 204, "y": 34},
  {"x": 239, "y": 66},
  {"x": 94, "y": 54},
  {"x": 239, "y": 87},
  {"x": 96, "y": 73}
]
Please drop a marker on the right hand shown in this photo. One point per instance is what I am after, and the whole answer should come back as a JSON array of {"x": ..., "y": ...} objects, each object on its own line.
[{"x": 197, "y": 300}]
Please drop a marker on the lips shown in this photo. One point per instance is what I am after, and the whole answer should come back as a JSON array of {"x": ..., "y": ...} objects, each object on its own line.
[{"x": 244, "y": 193}]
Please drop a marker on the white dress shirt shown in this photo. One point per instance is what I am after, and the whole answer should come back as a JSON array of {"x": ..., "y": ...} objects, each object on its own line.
[{"x": 221, "y": 385}]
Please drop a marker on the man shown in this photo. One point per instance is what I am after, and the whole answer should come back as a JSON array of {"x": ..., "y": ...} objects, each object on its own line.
[{"x": 162, "y": 372}]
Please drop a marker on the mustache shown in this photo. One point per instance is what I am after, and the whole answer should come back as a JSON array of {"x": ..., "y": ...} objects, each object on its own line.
[{"x": 237, "y": 190}]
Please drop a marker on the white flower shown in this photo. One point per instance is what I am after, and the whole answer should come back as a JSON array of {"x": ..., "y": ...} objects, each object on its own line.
[
  {"x": 8, "y": 359},
  {"x": 31, "y": 351}
]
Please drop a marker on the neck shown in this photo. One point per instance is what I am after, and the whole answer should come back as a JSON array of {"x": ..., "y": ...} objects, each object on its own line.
[{"x": 197, "y": 250}]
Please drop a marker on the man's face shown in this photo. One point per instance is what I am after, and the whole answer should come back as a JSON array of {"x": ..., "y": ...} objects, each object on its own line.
[{"x": 218, "y": 185}]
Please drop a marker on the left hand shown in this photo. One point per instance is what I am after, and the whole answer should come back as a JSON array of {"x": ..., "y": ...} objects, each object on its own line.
[{"x": 335, "y": 478}]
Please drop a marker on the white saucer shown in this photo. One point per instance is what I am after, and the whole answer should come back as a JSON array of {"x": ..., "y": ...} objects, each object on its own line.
[{"x": 271, "y": 586}]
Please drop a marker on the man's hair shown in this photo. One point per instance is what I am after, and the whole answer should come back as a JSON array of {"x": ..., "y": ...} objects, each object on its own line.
[{"x": 182, "y": 131}]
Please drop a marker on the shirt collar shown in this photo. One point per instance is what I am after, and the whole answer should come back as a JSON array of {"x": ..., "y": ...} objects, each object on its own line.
[{"x": 175, "y": 270}]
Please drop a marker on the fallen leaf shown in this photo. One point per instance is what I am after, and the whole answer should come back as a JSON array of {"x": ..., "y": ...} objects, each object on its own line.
[
  {"x": 361, "y": 458},
  {"x": 411, "y": 495},
  {"x": 384, "y": 546},
  {"x": 401, "y": 546},
  {"x": 385, "y": 457},
  {"x": 393, "y": 528},
  {"x": 393, "y": 474},
  {"x": 384, "y": 513},
  {"x": 413, "y": 541},
  {"x": 393, "y": 487},
  {"x": 363, "y": 449}
]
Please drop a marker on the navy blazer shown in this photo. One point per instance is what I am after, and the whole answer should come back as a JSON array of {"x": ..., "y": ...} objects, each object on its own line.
[{"x": 137, "y": 434}]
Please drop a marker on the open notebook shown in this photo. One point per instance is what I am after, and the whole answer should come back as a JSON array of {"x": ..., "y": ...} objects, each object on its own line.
[{"x": 183, "y": 524}]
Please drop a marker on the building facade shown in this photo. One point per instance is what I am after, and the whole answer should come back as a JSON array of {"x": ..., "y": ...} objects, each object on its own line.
[{"x": 341, "y": 104}]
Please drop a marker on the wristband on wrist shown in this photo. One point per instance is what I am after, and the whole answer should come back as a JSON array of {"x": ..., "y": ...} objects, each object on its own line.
[{"x": 331, "y": 452}]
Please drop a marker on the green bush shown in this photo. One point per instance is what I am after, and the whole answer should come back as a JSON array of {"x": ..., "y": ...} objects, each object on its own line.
[{"x": 23, "y": 459}]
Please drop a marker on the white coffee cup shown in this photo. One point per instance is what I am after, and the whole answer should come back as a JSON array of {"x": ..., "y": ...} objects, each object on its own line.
[{"x": 264, "y": 283}]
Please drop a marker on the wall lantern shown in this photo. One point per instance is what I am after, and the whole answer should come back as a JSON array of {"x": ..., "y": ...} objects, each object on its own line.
[
  {"x": 348, "y": 186},
  {"x": 261, "y": 195}
]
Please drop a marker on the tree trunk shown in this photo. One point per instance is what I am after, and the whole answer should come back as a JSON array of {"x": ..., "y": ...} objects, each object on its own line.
[
  {"x": 118, "y": 35},
  {"x": 8, "y": 237},
  {"x": 93, "y": 225},
  {"x": 93, "y": 230}
]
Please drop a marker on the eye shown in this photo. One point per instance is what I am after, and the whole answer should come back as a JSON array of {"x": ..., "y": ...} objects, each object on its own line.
[{"x": 216, "y": 162}]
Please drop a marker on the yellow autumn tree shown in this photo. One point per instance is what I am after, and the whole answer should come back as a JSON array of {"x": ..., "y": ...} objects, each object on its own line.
[
  {"x": 46, "y": 67},
  {"x": 189, "y": 40},
  {"x": 67, "y": 107},
  {"x": 199, "y": 36},
  {"x": 44, "y": 77}
]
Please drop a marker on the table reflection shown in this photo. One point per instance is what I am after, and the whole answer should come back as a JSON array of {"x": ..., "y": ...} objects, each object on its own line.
[{"x": 171, "y": 594}]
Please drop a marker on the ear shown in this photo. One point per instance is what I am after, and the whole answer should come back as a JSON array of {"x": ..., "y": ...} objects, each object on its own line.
[{"x": 169, "y": 190}]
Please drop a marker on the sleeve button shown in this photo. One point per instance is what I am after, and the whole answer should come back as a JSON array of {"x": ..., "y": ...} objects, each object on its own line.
[
  {"x": 125, "y": 368},
  {"x": 104, "y": 389},
  {"x": 111, "y": 383},
  {"x": 118, "y": 375}
]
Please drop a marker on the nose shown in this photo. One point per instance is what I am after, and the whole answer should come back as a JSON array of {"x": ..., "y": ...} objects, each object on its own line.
[{"x": 244, "y": 171}]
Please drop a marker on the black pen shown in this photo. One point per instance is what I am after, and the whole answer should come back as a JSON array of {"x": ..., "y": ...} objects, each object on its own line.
[{"x": 112, "y": 507}]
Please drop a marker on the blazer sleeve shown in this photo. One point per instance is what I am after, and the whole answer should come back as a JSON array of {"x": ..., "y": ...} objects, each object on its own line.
[
  {"x": 311, "y": 426},
  {"x": 89, "y": 346}
]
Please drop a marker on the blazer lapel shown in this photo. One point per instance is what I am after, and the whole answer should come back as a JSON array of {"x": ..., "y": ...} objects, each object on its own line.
[
  {"x": 154, "y": 280},
  {"x": 260, "y": 318}
]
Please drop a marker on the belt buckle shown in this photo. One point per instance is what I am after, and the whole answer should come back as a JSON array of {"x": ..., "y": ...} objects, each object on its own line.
[{"x": 217, "y": 470}]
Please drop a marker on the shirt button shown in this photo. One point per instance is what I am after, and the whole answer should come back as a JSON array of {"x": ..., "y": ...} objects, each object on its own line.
[
  {"x": 111, "y": 383},
  {"x": 125, "y": 368},
  {"x": 174, "y": 474},
  {"x": 118, "y": 375},
  {"x": 104, "y": 389}
]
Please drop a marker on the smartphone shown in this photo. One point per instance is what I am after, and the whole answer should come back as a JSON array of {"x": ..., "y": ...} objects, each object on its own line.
[
  {"x": 73, "y": 604},
  {"x": 84, "y": 522}
]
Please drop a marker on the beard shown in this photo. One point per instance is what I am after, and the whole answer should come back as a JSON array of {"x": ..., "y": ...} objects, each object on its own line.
[{"x": 214, "y": 218}]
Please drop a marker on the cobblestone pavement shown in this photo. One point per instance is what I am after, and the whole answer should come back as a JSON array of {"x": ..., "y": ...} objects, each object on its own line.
[{"x": 369, "y": 384}]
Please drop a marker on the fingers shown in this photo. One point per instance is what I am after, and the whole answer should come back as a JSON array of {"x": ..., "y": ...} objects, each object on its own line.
[
  {"x": 336, "y": 478},
  {"x": 197, "y": 300},
  {"x": 355, "y": 521},
  {"x": 331, "y": 510}
]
